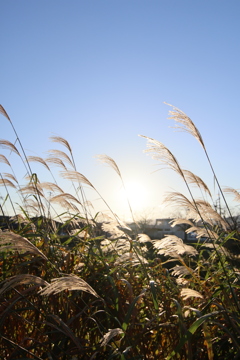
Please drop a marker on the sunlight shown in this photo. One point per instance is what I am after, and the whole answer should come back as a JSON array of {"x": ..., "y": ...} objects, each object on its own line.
[{"x": 136, "y": 193}]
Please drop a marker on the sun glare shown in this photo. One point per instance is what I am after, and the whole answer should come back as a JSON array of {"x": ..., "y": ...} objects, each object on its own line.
[{"x": 137, "y": 195}]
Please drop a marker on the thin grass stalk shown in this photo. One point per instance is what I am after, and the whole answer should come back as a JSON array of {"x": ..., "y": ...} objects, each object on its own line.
[
  {"x": 5, "y": 216},
  {"x": 29, "y": 170},
  {"x": 108, "y": 160},
  {"x": 22, "y": 197},
  {"x": 220, "y": 189},
  {"x": 10, "y": 199},
  {"x": 81, "y": 190}
]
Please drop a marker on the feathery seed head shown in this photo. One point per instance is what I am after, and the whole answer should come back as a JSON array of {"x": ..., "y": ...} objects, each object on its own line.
[
  {"x": 38, "y": 159},
  {"x": 234, "y": 192},
  {"x": 4, "y": 160},
  {"x": 62, "y": 141},
  {"x": 10, "y": 176},
  {"x": 187, "y": 293},
  {"x": 161, "y": 153},
  {"x": 5, "y": 144},
  {"x": 76, "y": 176},
  {"x": 196, "y": 180},
  {"x": 109, "y": 335},
  {"x": 56, "y": 161},
  {"x": 68, "y": 282},
  {"x": 21, "y": 279},
  {"x": 65, "y": 196},
  {"x": 61, "y": 155},
  {"x": 14, "y": 242},
  {"x": 4, "y": 113},
  {"x": 172, "y": 245},
  {"x": 187, "y": 124},
  {"x": 109, "y": 161},
  {"x": 6, "y": 182}
]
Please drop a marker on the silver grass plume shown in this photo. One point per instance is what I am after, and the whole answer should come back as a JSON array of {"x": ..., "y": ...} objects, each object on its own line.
[
  {"x": 187, "y": 124},
  {"x": 10, "y": 176},
  {"x": 65, "y": 204},
  {"x": 143, "y": 238},
  {"x": 234, "y": 192},
  {"x": 4, "y": 113},
  {"x": 121, "y": 246},
  {"x": 187, "y": 293},
  {"x": 172, "y": 245},
  {"x": 56, "y": 161},
  {"x": 209, "y": 215},
  {"x": 179, "y": 200},
  {"x": 109, "y": 335},
  {"x": 131, "y": 258},
  {"x": 6, "y": 182},
  {"x": 61, "y": 155},
  {"x": 196, "y": 180},
  {"x": 4, "y": 160},
  {"x": 180, "y": 271},
  {"x": 14, "y": 242},
  {"x": 61, "y": 141},
  {"x": 161, "y": 153},
  {"x": 114, "y": 230},
  {"x": 165, "y": 156},
  {"x": 198, "y": 230},
  {"x": 180, "y": 221},
  {"x": 76, "y": 176},
  {"x": 51, "y": 187},
  {"x": 32, "y": 203},
  {"x": 109, "y": 161},
  {"x": 39, "y": 160},
  {"x": 67, "y": 282},
  {"x": 20, "y": 280},
  {"x": 5, "y": 144},
  {"x": 65, "y": 196},
  {"x": 32, "y": 189},
  {"x": 199, "y": 210}
]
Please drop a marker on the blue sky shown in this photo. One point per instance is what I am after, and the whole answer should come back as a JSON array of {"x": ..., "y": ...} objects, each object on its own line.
[{"x": 97, "y": 73}]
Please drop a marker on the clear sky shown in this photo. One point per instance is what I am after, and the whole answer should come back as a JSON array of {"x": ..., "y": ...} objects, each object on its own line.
[{"x": 97, "y": 72}]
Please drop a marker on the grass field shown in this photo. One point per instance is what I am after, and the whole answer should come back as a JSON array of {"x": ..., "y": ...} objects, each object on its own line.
[{"x": 75, "y": 287}]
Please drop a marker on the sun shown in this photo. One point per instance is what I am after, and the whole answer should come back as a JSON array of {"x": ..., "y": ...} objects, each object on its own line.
[{"x": 137, "y": 195}]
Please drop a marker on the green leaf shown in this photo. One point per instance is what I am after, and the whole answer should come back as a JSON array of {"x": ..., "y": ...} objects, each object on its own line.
[
  {"x": 191, "y": 331},
  {"x": 130, "y": 310},
  {"x": 154, "y": 294}
]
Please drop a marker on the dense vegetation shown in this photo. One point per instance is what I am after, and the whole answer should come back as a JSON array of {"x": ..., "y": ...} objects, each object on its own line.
[{"x": 76, "y": 287}]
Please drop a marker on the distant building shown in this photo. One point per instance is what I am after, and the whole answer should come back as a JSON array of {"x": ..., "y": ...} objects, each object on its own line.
[{"x": 163, "y": 227}]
